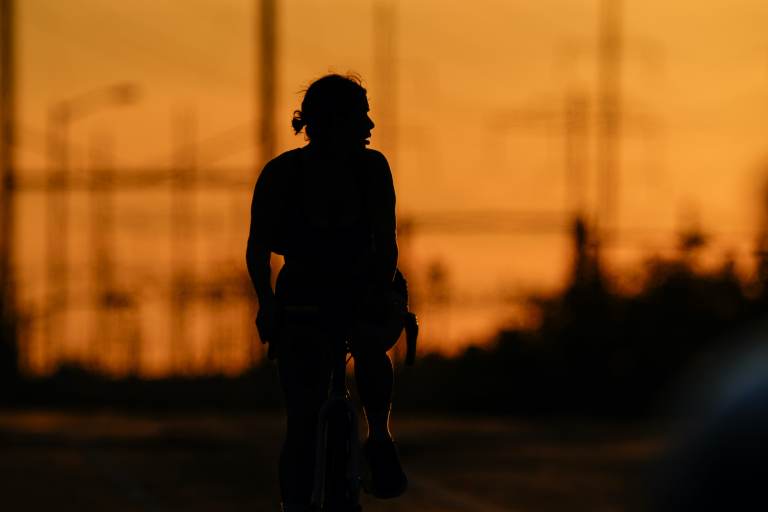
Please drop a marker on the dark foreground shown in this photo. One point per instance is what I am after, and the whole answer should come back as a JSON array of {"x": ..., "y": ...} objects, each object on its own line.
[{"x": 226, "y": 462}]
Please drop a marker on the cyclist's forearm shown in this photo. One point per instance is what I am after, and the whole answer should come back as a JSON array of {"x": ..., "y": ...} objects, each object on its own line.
[{"x": 257, "y": 260}]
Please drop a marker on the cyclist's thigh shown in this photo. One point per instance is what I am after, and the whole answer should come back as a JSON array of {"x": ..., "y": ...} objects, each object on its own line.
[{"x": 304, "y": 364}]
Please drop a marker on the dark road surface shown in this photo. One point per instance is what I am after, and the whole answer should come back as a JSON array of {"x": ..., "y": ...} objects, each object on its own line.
[{"x": 63, "y": 461}]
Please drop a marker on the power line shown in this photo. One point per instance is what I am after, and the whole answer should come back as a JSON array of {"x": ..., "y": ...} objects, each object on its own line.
[{"x": 488, "y": 221}]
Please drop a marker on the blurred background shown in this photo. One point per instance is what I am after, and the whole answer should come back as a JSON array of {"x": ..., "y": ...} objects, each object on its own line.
[{"x": 582, "y": 208}]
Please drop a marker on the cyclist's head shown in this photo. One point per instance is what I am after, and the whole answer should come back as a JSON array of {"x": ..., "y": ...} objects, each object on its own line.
[{"x": 334, "y": 111}]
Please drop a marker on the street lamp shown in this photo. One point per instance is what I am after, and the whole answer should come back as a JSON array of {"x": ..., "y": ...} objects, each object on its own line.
[{"x": 60, "y": 116}]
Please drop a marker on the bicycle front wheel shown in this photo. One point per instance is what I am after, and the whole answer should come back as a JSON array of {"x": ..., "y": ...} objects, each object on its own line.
[{"x": 341, "y": 489}]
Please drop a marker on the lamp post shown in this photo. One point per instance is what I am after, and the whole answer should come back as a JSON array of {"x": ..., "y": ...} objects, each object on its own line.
[{"x": 61, "y": 115}]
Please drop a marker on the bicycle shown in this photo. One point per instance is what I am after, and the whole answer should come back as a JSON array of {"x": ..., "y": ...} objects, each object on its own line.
[{"x": 338, "y": 477}]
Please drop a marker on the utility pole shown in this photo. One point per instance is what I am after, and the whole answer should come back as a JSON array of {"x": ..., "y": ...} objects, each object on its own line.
[
  {"x": 266, "y": 77},
  {"x": 9, "y": 360},
  {"x": 7, "y": 163},
  {"x": 385, "y": 77},
  {"x": 57, "y": 231},
  {"x": 265, "y": 91},
  {"x": 609, "y": 114},
  {"x": 102, "y": 220},
  {"x": 183, "y": 239}
]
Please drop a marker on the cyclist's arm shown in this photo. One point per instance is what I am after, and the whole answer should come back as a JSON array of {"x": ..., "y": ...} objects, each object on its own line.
[
  {"x": 257, "y": 254},
  {"x": 384, "y": 223}
]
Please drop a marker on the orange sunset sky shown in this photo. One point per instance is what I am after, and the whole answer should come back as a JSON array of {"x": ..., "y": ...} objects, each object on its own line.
[{"x": 694, "y": 86}]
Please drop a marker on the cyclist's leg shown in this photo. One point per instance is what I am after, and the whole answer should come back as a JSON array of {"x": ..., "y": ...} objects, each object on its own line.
[
  {"x": 374, "y": 378},
  {"x": 304, "y": 366}
]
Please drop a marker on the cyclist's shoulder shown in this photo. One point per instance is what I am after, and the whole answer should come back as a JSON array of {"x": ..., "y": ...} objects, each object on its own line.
[
  {"x": 375, "y": 159},
  {"x": 280, "y": 167},
  {"x": 376, "y": 167},
  {"x": 283, "y": 161}
]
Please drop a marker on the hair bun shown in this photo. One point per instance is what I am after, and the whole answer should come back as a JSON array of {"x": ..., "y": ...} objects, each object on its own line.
[{"x": 298, "y": 121}]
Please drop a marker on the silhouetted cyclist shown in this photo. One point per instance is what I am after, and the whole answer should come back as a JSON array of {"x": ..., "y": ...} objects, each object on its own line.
[{"x": 329, "y": 209}]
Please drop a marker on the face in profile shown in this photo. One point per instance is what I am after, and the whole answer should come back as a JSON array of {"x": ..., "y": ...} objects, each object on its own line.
[{"x": 355, "y": 126}]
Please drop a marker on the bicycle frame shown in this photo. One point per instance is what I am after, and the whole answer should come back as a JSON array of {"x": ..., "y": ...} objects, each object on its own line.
[{"x": 338, "y": 402}]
